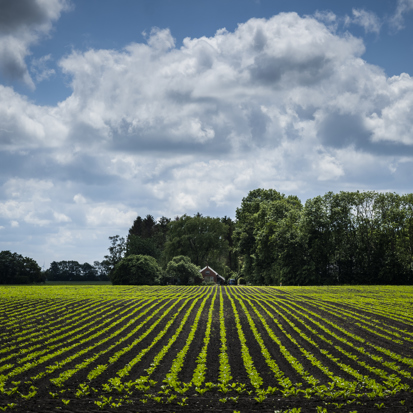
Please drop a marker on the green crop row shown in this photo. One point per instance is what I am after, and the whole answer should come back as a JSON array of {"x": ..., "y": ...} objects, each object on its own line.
[{"x": 117, "y": 345}]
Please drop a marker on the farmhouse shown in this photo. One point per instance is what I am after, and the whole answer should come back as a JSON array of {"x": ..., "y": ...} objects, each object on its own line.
[{"x": 209, "y": 275}]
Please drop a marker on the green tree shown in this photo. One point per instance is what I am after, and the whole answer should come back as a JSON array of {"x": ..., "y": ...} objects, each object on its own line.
[
  {"x": 200, "y": 238},
  {"x": 102, "y": 270},
  {"x": 137, "y": 245},
  {"x": 231, "y": 259},
  {"x": 316, "y": 227},
  {"x": 16, "y": 269},
  {"x": 116, "y": 251},
  {"x": 147, "y": 237},
  {"x": 357, "y": 238},
  {"x": 32, "y": 270},
  {"x": 89, "y": 272},
  {"x": 258, "y": 218},
  {"x": 180, "y": 270},
  {"x": 71, "y": 271},
  {"x": 136, "y": 270},
  {"x": 405, "y": 238}
]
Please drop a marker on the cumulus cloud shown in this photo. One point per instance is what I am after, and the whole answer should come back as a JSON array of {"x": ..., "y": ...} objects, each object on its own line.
[
  {"x": 25, "y": 125},
  {"x": 269, "y": 81},
  {"x": 23, "y": 23},
  {"x": 286, "y": 103},
  {"x": 212, "y": 94},
  {"x": 28, "y": 201}
]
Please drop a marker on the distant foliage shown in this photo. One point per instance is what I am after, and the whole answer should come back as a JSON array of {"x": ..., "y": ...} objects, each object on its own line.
[
  {"x": 74, "y": 271},
  {"x": 16, "y": 269},
  {"x": 137, "y": 270},
  {"x": 180, "y": 270}
]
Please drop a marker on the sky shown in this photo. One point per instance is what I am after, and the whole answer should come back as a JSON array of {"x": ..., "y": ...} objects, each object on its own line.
[{"x": 114, "y": 109}]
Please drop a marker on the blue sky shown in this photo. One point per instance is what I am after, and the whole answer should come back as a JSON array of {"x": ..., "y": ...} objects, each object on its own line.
[{"x": 109, "y": 110}]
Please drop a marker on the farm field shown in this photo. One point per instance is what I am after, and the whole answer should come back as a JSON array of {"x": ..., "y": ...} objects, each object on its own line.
[{"x": 233, "y": 349}]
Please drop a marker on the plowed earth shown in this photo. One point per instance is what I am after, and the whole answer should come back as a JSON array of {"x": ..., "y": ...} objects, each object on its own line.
[{"x": 137, "y": 349}]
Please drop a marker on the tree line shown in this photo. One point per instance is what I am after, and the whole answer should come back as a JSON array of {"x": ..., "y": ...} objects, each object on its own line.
[
  {"x": 343, "y": 238},
  {"x": 74, "y": 271},
  {"x": 16, "y": 269},
  {"x": 337, "y": 238}
]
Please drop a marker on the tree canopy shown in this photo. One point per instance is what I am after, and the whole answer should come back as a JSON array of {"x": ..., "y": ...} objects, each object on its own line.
[
  {"x": 344, "y": 238},
  {"x": 180, "y": 270},
  {"x": 202, "y": 239},
  {"x": 16, "y": 269},
  {"x": 74, "y": 271},
  {"x": 136, "y": 270}
]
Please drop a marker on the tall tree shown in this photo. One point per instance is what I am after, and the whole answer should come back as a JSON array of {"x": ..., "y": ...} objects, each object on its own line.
[
  {"x": 257, "y": 218},
  {"x": 200, "y": 238},
  {"x": 231, "y": 260},
  {"x": 280, "y": 249},
  {"x": 147, "y": 237},
  {"x": 116, "y": 251}
]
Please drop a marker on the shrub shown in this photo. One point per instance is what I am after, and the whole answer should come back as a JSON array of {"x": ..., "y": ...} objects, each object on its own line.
[
  {"x": 136, "y": 270},
  {"x": 241, "y": 281},
  {"x": 181, "y": 270}
]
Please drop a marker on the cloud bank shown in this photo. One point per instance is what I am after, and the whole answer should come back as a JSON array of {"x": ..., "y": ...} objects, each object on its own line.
[{"x": 286, "y": 103}]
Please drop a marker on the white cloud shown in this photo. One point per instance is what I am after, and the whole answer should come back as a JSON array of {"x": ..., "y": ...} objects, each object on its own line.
[
  {"x": 25, "y": 125},
  {"x": 31, "y": 188},
  {"x": 210, "y": 91},
  {"x": 327, "y": 17},
  {"x": 328, "y": 168},
  {"x": 161, "y": 40},
  {"x": 403, "y": 7},
  {"x": 58, "y": 217},
  {"x": 28, "y": 201},
  {"x": 395, "y": 122},
  {"x": 114, "y": 216},
  {"x": 79, "y": 199},
  {"x": 367, "y": 19}
]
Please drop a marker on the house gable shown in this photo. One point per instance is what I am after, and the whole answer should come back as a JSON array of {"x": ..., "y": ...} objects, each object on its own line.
[{"x": 208, "y": 274}]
